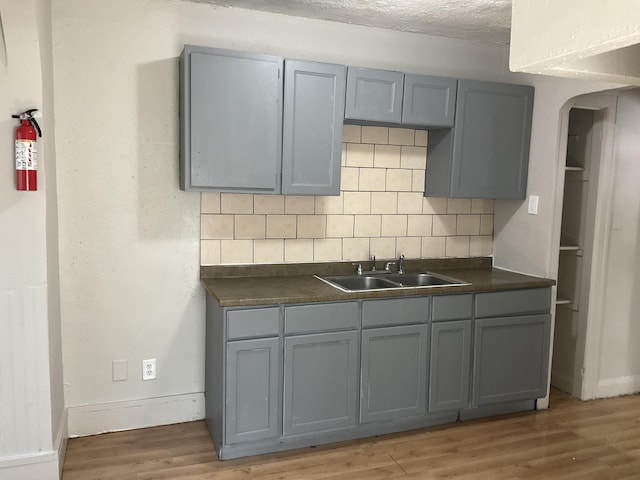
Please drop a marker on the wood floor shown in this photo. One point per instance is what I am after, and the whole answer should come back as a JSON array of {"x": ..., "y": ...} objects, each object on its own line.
[{"x": 572, "y": 440}]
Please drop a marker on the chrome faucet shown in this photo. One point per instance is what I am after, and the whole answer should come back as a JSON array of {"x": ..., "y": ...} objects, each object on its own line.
[
  {"x": 401, "y": 264},
  {"x": 373, "y": 263},
  {"x": 358, "y": 268}
]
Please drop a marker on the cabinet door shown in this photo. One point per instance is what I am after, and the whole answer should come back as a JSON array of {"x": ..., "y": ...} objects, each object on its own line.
[
  {"x": 450, "y": 365},
  {"x": 314, "y": 96},
  {"x": 252, "y": 390},
  {"x": 374, "y": 95},
  {"x": 511, "y": 358},
  {"x": 394, "y": 372},
  {"x": 320, "y": 382},
  {"x": 491, "y": 145},
  {"x": 231, "y": 121},
  {"x": 486, "y": 154},
  {"x": 429, "y": 101}
]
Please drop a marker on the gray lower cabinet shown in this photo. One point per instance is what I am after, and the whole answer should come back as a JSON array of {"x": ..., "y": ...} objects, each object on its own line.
[
  {"x": 320, "y": 382},
  {"x": 394, "y": 372},
  {"x": 314, "y": 95},
  {"x": 511, "y": 346},
  {"x": 486, "y": 153},
  {"x": 450, "y": 365},
  {"x": 252, "y": 389}
]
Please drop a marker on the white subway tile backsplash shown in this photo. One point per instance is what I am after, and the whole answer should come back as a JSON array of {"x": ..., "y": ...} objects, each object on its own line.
[
  {"x": 298, "y": 250},
  {"x": 377, "y": 135},
  {"x": 357, "y": 203},
  {"x": 339, "y": 226},
  {"x": 409, "y": 202},
  {"x": 236, "y": 251},
  {"x": 268, "y": 251},
  {"x": 265, "y": 204},
  {"x": 433, "y": 247},
  {"x": 384, "y": 203},
  {"x": 250, "y": 226},
  {"x": 299, "y": 204},
  {"x": 359, "y": 155},
  {"x": 209, "y": 202},
  {"x": 394, "y": 226},
  {"x": 402, "y": 136},
  {"x": 281, "y": 226},
  {"x": 372, "y": 179},
  {"x": 327, "y": 249},
  {"x": 216, "y": 226},
  {"x": 383, "y": 247},
  {"x": 457, "y": 246},
  {"x": 236, "y": 203},
  {"x": 410, "y": 247},
  {"x": 381, "y": 210},
  {"x": 311, "y": 226},
  {"x": 367, "y": 225},
  {"x": 399, "y": 180},
  {"x": 413, "y": 157},
  {"x": 354, "y": 249},
  {"x": 386, "y": 156},
  {"x": 351, "y": 133},
  {"x": 421, "y": 138}
]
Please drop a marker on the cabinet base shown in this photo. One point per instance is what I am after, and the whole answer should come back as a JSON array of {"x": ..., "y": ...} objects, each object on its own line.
[{"x": 498, "y": 409}]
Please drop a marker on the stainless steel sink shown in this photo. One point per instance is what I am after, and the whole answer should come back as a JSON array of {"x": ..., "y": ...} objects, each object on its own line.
[{"x": 386, "y": 281}]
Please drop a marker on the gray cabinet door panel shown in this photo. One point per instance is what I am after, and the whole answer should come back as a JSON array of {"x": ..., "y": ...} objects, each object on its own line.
[
  {"x": 255, "y": 322},
  {"x": 511, "y": 357},
  {"x": 322, "y": 317},
  {"x": 429, "y": 101},
  {"x": 320, "y": 382},
  {"x": 450, "y": 365},
  {"x": 394, "y": 372},
  {"x": 374, "y": 95},
  {"x": 314, "y": 95},
  {"x": 252, "y": 390},
  {"x": 452, "y": 307},
  {"x": 513, "y": 302},
  {"x": 233, "y": 120},
  {"x": 491, "y": 146},
  {"x": 395, "y": 311}
]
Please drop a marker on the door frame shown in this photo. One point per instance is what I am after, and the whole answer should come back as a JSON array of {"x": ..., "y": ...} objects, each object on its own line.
[{"x": 589, "y": 332}]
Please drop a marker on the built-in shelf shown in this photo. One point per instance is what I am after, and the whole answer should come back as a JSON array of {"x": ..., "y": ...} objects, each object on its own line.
[
  {"x": 566, "y": 303},
  {"x": 571, "y": 248},
  {"x": 563, "y": 301},
  {"x": 574, "y": 169}
]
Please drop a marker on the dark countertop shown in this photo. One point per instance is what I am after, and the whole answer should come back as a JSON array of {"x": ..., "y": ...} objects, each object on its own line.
[{"x": 295, "y": 283}]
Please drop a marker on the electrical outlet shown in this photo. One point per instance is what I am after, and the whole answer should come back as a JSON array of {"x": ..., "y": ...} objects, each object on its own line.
[{"x": 149, "y": 369}]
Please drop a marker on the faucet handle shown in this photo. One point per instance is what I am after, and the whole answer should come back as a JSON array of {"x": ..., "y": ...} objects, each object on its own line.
[
  {"x": 373, "y": 263},
  {"x": 401, "y": 264},
  {"x": 387, "y": 266},
  {"x": 358, "y": 268}
]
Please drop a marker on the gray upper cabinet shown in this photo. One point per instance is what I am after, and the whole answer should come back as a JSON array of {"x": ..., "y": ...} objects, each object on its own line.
[
  {"x": 314, "y": 96},
  {"x": 429, "y": 101},
  {"x": 231, "y": 120},
  {"x": 252, "y": 123},
  {"x": 486, "y": 154},
  {"x": 374, "y": 95}
]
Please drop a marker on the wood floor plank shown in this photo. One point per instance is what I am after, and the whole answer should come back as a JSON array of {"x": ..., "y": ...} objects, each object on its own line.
[{"x": 571, "y": 440}]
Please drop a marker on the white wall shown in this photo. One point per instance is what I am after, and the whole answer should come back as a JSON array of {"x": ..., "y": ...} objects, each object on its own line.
[
  {"x": 32, "y": 420},
  {"x": 619, "y": 369}
]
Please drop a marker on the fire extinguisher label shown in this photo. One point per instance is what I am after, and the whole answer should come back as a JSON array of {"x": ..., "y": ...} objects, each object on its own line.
[{"x": 26, "y": 155}]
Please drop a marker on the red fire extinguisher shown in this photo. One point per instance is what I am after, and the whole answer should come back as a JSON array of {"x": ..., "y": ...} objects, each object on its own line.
[{"x": 26, "y": 151}]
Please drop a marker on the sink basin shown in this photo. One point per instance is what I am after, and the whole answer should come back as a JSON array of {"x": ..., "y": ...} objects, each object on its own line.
[
  {"x": 353, "y": 283},
  {"x": 420, "y": 280},
  {"x": 386, "y": 281}
]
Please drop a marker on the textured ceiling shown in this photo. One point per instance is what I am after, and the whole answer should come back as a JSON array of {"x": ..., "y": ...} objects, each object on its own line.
[{"x": 481, "y": 20}]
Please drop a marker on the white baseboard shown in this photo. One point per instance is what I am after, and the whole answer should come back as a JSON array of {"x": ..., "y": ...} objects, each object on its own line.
[
  {"x": 614, "y": 387},
  {"x": 40, "y": 465},
  {"x": 127, "y": 415}
]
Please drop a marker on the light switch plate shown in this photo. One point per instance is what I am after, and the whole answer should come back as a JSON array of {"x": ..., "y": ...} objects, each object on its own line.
[
  {"x": 119, "y": 370},
  {"x": 533, "y": 205}
]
